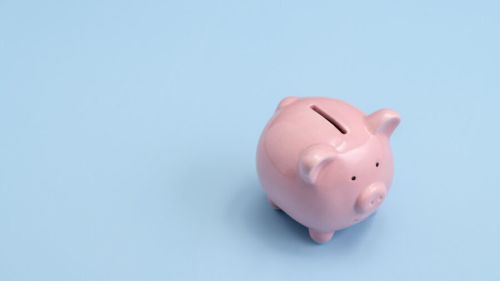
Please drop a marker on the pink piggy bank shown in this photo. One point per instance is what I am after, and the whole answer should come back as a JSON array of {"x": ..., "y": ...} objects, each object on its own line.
[{"x": 325, "y": 163}]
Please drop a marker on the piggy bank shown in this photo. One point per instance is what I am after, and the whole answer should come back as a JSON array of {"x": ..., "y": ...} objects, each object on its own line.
[{"x": 325, "y": 163}]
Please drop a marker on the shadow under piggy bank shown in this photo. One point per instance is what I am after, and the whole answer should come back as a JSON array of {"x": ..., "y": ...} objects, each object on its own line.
[{"x": 252, "y": 212}]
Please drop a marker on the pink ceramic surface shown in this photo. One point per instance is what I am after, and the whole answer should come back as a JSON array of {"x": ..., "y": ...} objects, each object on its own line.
[{"x": 325, "y": 163}]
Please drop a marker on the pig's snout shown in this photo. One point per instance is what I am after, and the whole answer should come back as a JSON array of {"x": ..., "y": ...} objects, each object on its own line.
[{"x": 371, "y": 198}]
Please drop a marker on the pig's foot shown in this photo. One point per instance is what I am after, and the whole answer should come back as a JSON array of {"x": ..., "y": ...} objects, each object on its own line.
[
  {"x": 273, "y": 205},
  {"x": 320, "y": 237}
]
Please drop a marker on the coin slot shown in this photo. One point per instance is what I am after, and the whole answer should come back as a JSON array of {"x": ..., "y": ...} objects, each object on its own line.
[{"x": 330, "y": 119}]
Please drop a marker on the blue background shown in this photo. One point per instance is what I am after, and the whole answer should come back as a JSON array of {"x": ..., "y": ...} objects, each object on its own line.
[{"x": 128, "y": 135}]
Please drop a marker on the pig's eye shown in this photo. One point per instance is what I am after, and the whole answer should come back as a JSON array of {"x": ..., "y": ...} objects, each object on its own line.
[
  {"x": 353, "y": 178},
  {"x": 377, "y": 164}
]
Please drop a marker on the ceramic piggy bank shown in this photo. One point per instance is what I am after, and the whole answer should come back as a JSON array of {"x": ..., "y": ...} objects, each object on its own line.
[{"x": 325, "y": 163}]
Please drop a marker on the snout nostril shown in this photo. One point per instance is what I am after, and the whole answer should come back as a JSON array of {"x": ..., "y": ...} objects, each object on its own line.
[{"x": 371, "y": 198}]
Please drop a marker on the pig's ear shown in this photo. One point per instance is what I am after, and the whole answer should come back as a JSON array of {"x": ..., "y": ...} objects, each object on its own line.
[
  {"x": 383, "y": 121},
  {"x": 286, "y": 101},
  {"x": 313, "y": 159}
]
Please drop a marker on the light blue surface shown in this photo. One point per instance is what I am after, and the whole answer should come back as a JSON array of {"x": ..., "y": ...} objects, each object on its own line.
[{"x": 128, "y": 135}]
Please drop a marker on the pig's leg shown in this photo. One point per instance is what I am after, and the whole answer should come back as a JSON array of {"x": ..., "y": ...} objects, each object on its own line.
[
  {"x": 320, "y": 237},
  {"x": 273, "y": 205}
]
